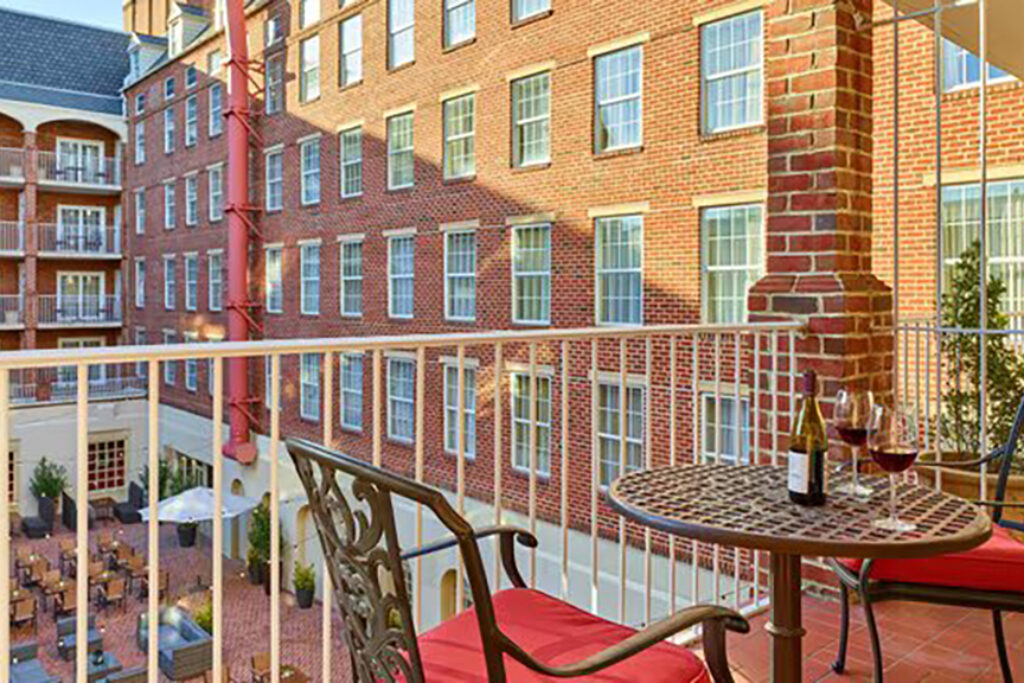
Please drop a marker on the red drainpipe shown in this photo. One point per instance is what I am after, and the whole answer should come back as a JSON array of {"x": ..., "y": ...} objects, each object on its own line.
[{"x": 238, "y": 446}]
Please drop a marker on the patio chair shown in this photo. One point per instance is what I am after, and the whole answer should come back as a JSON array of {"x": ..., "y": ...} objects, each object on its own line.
[
  {"x": 41, "y": 525},
  {"x": 260, "y": 667},
  {"x": 26, "y": 667},
  {"x": 36, "y": 571},
  {"x": 515, "y": 635},
  {"x": 69, "y": 513},
  {"x": 105, "y": 542},
  {"x": 165, "y": 582},
  {"x": 23, "y": 612},
  {"x": 67, "y": 636},
  {"x": 990, "y": 576},
  {"x": 64, "y": 603},
  {"x": 138, "y": 674},
  {"x": 135, "y": 570},
  {"x": 68, "y": 553},
  {"x": 22, "y": 559},
  {"x": 113, "y": 593},
  {"x": 128, "y": 511}
]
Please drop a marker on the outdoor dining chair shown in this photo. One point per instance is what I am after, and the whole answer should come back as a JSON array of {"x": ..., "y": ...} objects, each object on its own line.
[
  {"x": 259, "y": 665},
  {"x": 989, "y": 577},
  {"x": 64, "y": 602},
  {"x": 23, "y": 612},
  {"x": 516, "y": 635},
  {"x": 67, "y": 553},
  {"x": 112, "y": 593}
]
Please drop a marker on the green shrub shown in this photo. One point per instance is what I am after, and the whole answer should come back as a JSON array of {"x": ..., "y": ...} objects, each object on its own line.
[
  {"x": 48, "y": 479},
  {"x": 204, "y": 617},
  {"x": 305, "y": 577}
]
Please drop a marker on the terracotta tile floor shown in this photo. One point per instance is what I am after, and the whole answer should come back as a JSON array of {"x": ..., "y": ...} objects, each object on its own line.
[{"x": 919, "y": 643}]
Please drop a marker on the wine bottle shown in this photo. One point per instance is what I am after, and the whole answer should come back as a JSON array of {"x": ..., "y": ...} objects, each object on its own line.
[{"x": 808, "y": 447}]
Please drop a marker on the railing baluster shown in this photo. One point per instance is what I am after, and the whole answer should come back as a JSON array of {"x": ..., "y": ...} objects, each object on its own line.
[
  {"x": 775, "y": 398},
  {"x": 792, "y": 378},
  {"x": 377, "y": 407},
  {"x": 532, "y": 445},
  {"x": 737, "y": 409},
  {"x": 623, "y": 448},
  {"x": 275, "y": 521},
  {"x": 421, "y": 374},
  {"x": 716, "y": 440},
  {"x": 648, "y": 463},
  {"x": 595, "y": 463},
  {"x": 755, "y": 434},
  {"x": 5, "y": 525},
  {"x": 695, "y": 404},
  {"x": 460, "y": 426},
  {"x": 564, "y": 503},
  {"x": 499, "y": 371},
  {"x": 927, "y": 388},
  {"x": 673, "y": 407},
  {"x": 153, "y": 457},
  {"x": 81, "y": 521},
  {"x": 217, "y": 448},
  {"x": 328, "y": 437}
]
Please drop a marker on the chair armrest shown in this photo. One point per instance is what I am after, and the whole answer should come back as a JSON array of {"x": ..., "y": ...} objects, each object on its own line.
[
  {"x": 998, "y": 504},
  {"x": 994, "y": 454},
  {"x": 716, "y": 621},
  {"x": 508, "y": 534}
]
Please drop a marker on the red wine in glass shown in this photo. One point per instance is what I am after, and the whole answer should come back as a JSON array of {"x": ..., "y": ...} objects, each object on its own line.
[
  {"x": 894, "y": 460},
  {"x": 854, "y": 436},
  {"x": 893, "y": 444},
  {"x": 851, "y": 413}
]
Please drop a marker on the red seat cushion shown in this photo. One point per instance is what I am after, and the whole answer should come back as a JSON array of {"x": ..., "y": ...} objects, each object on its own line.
[
  {"x": 553, "y": 632},
  {"x": 997, "y": 565}
]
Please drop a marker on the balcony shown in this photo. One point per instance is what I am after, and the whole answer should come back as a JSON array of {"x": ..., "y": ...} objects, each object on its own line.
[
  {"x": 12, "y": 239},
  {"x": 89, "y": 176},
  {"x": 12, "y": 167},
  {"x": 79, "y": 311},
  {"x": 12, "y": 312},
  {"x": 60, "y": 385},
  {"x": 79, "y": 242}
]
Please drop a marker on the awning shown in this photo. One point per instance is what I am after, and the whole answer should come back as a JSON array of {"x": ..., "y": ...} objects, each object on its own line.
[{"x": 1005, "y": 36}]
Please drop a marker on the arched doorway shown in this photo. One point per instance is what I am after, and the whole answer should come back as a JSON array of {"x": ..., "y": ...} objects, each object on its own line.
[
  {"x": 238, "y": 525},
  {"x": 302, "y": 531},
  {"x": 448, "y": 580}
]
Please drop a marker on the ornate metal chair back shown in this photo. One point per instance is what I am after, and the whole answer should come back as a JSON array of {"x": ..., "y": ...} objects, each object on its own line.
[{"x": 1009, "y": 451}]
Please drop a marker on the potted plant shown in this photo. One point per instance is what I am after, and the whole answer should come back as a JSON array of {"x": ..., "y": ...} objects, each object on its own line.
[
  {"x": 259, "y": 545},
  {"x": 180, "y": 480},
  {"x": 254, "y": 566},
  {"x": 305, "y": 584},
  {"x": 49, "y": 480},
  {"x": 204, "y": 616}
]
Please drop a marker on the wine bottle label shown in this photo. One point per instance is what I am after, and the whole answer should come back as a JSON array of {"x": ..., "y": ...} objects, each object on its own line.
[{"x": 799, "y": 472}]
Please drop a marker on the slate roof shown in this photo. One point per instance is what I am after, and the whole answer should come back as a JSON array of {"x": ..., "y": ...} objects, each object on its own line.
[{"x": 59, "y": 63}]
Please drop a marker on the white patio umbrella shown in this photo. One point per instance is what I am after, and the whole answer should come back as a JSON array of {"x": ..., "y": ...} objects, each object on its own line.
[{"x": 197, "y": 505}]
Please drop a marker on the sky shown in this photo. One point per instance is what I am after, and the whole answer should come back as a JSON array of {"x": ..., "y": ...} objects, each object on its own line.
[{"x": 104, "y": 13}]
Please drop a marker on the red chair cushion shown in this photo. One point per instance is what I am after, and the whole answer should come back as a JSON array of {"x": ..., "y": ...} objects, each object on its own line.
[
  {"x": 996, "y": 565},
  {"x": 554, "y": 632}
]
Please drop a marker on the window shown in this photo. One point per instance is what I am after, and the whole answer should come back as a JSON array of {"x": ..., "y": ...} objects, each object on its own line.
[
  {"x": 140, "y": 143},
  {"x": 267, "y": 380},
  {"x": 209, "y": 363},
  {"x": 214, "y": 60},
  {"x": 962, "y": 69},
  {"x": 401, "y": 399},
  {"x": 609, "y": 433},
  {"x": 140, "y": 283},
  {"x": 216, "y": 123},
  {"x": 175, "y": 38},
  {"x": 459, "y": 21},
  {"x": 169, "y": 89},
  {"x": 459, "y": 154},
  {"x": 401, "y": 162},
  {"x": 309, "y": 386},
  {"x": 619, "y": 249},
  {"x": 275, "y": 84},
  {"x": 191, "y": 120},
  {"x": 272, "y": 30},
  {"x": 309, "y": 152},
  {"x": 451, "y": 409},
  {"x": 170, "y": 217},
  {"x": 352, "y": 391},
  {"x": 732, "y": 59},
  {"x": 531, "y": 274},
  {"x": 460, "y": 275},
  {"x": 350, "y": 33},
  {"x": 272, "y": 280},
  {"x": 191, "y": 365},
  {"x": 140, "y": 211},
  {"x": 401, "y": 273},
  {"x": 350, "y": 143},
  {"x": 191, "y": 281},
  {"x": 732, "y": 255},
  {"x": 401, "y": 27},
  {"x": 531, "y": 120},
  {"x": 107, "y": 464},
  {"x": 309, "y": 12},
  {"x": 170, "y": 283},
  {"x": 351, "y": 279},
  {"x": 192, "y": 200},
  {"x": 140, "y": 104},
  {"x": 961, "y": 216},
  {"x": 618, "y": 78},
  {"x": 275, "y": 180},
  {"x": 720, "y": 436},
  {"x": 215, "y": 179},
  {"x": 309, "y": 281},
  {"x": 191, "y": 76},
  {"x": 170, "y": 366},
  {"x": 168, "y": 131},
  {"x": 309, "y": 73},
  {"x": 524, "y": 9},
  {"x": 67, "y": 375},
  {"x": 521, "y": 423},
  {"x": 142, "y": 366},
  {"x": 215, "y": 280}
]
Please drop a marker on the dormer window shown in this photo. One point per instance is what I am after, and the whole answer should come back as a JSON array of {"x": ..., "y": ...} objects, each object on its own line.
[
  {"x": 169, "y": 89},
  {"x": 140, "y": 103},
  {"x": 175, "y": 38},
  {"x": 191, "y": 76},
  {"x": 134, "y": 63},
  {"x": 214, "y": 61}
]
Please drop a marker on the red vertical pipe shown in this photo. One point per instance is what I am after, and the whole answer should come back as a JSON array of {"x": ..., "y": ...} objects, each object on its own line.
[{"x": 238, "y": 446}]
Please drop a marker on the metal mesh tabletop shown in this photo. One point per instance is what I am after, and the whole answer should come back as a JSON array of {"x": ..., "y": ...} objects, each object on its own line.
[{"x": 749, "y": 507}]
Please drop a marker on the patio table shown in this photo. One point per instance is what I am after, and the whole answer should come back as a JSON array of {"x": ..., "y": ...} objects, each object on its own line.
[{"x": 748, "y": 507}]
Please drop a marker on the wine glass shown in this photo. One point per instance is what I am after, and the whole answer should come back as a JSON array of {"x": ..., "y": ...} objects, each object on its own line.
[
  {"x": 851, "y": 414},
  {"x": 892, "y": 442}
]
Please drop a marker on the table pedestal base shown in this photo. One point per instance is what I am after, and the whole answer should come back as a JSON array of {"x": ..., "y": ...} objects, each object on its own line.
[{"x": 785, "y": 626}]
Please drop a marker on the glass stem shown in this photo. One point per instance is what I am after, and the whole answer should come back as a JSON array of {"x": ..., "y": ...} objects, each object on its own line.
[
  {"x": 892, "y": 499},
  {"x": 856, "y": 469}
]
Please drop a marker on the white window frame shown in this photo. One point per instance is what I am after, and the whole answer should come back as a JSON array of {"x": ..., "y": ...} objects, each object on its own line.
[
  {"x": 140, "y": 143},
  {"x": 309, "y": 409},
  {"x": 191, "y": 267},
  {"x": 451, "y": 278},
  {"x": 715, "y": 436},
  {"x": 538, "y": 7},
  {"x": 754, "y": 270},
  {"x": 350, "y": 390},
  {"x": 393, "y": 278},
  {"x": 169, "y": 130},
  {"x": 309, "y": 282},
  {"x": 407, "y": 153},
  {"x": 309, "y": 13},
  {"x": 309, "y": 177},
  {"x": 516, "y": 420},
  {"x": 215, "y": 123},
  {"x": 140, "y": 211},
  {"x": 273, "y": 101},
  {"x": 192, "y": 200},
  {"x": 141, "y": 339},
  {"x": 191, "y": 364},
  {"x": 170, "y": 366},
  {"x": 349, "y": 166},
  {"x": 398, "y": 26},
  {"x": 519, "y": 124},
  {"x": 170, "y": 205},
  {"x": 450, "y": 370},
  {"x": 191, "y": 120},
  {"x": 140, "y": 282},
  {"x": 215, "y": 283},
  {"x": 309, "y": 69},
  {"x": 169, "y": 88},
  {"x": 170, "y": 282},
  {"x": 350, "y": 52},
  {"x": 272, "y": 287},
  {"x": 707, "y": 78},
  {"x": 956, "y": 64},
  {"x": 454, "y": 142},
  {"x": 215, "y": 190},
  {"x": 274, "y": 179},
  {"x": 349, "y": 278},
  {"x": 602, "y": 316},
  {"x": 406, "y": 401},
  {"x": 600, "y": 105},
  {"x": 191, "y": 77},
  {"x": 526, "y": 274},
  {"x": 451, "y": 8},
  {"x": 634, "y": 440}
]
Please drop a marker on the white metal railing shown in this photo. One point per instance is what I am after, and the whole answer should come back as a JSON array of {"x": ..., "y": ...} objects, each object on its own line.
[
  {"x": 44, "y": 385},
  {"x": 79, "y": 310},
  {"x": 686, "y": 376},
  {"x": 12, "y": 163},
  {"x": 54, "y": 167},
  {"x": 12, "y": 236},
  {"x": 82, "y": 240},
  {"x": 12, "y": 310}
]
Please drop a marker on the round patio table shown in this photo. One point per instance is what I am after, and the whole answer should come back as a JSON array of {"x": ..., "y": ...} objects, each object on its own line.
[{"x": 748, "y": 507}]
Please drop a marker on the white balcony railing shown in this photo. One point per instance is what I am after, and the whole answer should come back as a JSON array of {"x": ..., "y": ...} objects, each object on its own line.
[
  {"x": 542, "y": 465},
  {"x": 12, "y": 163},
  {"x": 87, "y": 241},
  {"x": 79, "y": 310},
  {"x": 44, "y": 385},
  {"x": 12, "y": 236},
  {"x": 12, "y": 310},
  {"x": 96, "y": 171}
]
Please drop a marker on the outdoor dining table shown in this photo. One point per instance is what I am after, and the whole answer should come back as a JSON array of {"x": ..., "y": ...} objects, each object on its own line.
[{"x": 748, "y": 507}]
